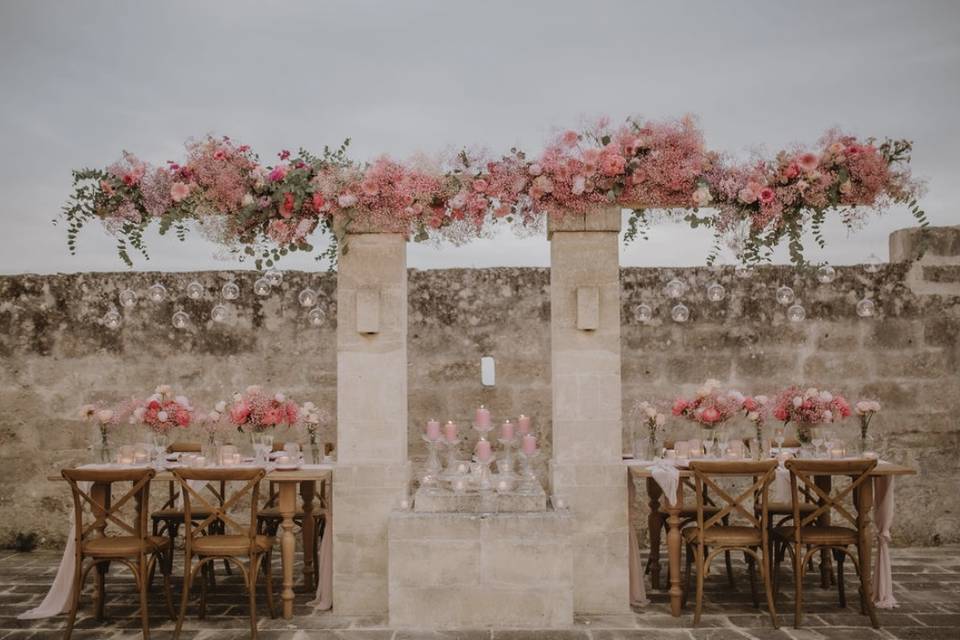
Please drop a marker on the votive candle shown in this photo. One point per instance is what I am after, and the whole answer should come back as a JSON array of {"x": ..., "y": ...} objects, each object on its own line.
[
  {"x": 506, "y": 430},
  {"x": 483, "y": 417},
  {"x": 433, "y": 430},
  {"x": 529, "y": 444},
  {"x": 483, "y": 450},
  {"x": 450, "y": 431},
  {"x": 523, "y": 424}
]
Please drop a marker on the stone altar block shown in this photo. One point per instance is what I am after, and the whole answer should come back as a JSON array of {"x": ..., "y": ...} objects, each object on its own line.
[
  {"x": 449, "y": 570},
  {"x": 429, "y": 500}
]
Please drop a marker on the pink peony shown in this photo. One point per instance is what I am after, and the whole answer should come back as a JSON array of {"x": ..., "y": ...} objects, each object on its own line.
[
  {"x": 179, "y": 191},
  {"x": 612, "y": 164},
  {"x": 747, "y": 195},
  {"x": 239, "y": 413},
  {"x": 807, "y": 161},
  {"x": 710, "y": 415},
  {"x": 679, "y": 406}
]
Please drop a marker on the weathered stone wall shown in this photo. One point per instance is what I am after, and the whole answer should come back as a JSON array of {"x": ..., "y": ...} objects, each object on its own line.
[{"x": 54, "y": 356}]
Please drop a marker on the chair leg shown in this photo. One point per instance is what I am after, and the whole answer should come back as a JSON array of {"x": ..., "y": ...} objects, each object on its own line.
[
  {"x": 141, "y": 577},
  {"x": 701, "y": 570},
  {"x": 729, "y": 564},
  {"x": 167, "y": 591},
  {"x": 252, "y": 589},
  {"x": 101, "y": 579},
  {"x": 797, "y": 586},
  {"x": 752, "y": 571},
  {"x": 866, "y": 597},
  {"x": 74, "y": 601},
  {"x": 208, "y": 568},
  {"x": 838, "y": 557},
  {"x": 268, "y": 558},
  {"x": 686, "y": 577},
  {"x": 768, "y": 588},
  {"x": 187, "y": 581}
]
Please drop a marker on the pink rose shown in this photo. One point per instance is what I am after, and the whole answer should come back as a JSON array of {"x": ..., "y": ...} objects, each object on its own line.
[
  {"x": 710, "y": 415},
  {"x": 570, "y": 138},
  {"x": 480, "y": 185},
  {"x": 239, "y": 413},
  {"x": 679, "y": 406},
  {"x": 767, "y": 195},
  {"x": 750, "y": 404},
  {"x": 807, "y": 162},
  {"x": 318, "y": 201},
  {"x": 278, "y": 173},
  {"x": 747, "y": 195},
  {"x": 612, "y": 164},
  {"x": 535, "y": 169},
  {"x": 179, "y": 191}
]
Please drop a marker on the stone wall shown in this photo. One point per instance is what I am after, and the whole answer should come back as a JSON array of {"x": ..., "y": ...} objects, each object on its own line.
[{"x": 54, "y": 356}]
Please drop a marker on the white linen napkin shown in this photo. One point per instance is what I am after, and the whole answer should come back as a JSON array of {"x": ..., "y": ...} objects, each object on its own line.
[{"x": 668, "y": 477}]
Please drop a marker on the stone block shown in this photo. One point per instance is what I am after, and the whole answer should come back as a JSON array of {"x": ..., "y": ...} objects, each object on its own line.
[
  {"x": 368, "y": 310},
  {"x": 428, "y": 500},
  {"x": 905, "y": 244},
  {"x": 588, "y": 309},
  {"x": 606, "y": 219}
]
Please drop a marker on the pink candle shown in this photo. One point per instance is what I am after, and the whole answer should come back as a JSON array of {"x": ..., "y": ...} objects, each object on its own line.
[
  {"x": 523, "y": 424},
  {"x": 506, "y": 430},
  {"x": 529, "y": 444},
  {"x": 483, "y": 450},
  {"x": 483, "y": 417},
  {"x": 450, "y": 431},
  {"x": 433, "y": 430}
]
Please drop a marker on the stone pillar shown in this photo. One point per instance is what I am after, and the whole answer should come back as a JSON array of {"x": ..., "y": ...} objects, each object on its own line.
[
  {"x": 934, "y": 259},
  {"x": 372, "y": 473},
  {"x": 587, "y": 468}
]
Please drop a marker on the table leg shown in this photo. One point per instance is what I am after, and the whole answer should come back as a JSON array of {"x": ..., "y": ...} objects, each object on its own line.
[
  {"x": 654, "y": 526},
  {"x": 864, "y": 505},
  {"x": 308, "y": 489},
  {"x": 824, "y": 482},
  {"x": 288, "y": 506},
  {"x": 673, "y": 549}
]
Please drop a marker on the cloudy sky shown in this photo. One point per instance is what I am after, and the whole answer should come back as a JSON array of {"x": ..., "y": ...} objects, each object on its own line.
[{"x": 80, "y": 81}]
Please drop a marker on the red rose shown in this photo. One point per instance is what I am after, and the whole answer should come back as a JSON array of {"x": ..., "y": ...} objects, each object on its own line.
[
  {"x": 780, "y": 413},
  {"x": 154, "y": 405}
]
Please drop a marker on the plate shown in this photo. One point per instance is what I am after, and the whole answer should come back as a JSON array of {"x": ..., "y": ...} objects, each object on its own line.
[{"x": 287, "y": 467}]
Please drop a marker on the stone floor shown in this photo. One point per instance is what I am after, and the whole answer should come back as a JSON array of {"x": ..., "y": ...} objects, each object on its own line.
[{"x": 927, "y": 586}]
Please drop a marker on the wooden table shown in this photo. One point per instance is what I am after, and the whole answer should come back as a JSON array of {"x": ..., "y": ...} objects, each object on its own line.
[
  {"x": 287, "y": 481},
  {"x": 640, "y": 469}
]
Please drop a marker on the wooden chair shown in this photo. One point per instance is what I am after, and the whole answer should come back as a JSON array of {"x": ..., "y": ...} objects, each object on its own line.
[
  {"x": 170, "y": 517},
  {"x": 269, "y": 519},
  {"x": 245, "y": 543},
  {"x": 132, "y": 547},
  {"x": 711, "y": 531},
  {"x": 805, "y": 533}
]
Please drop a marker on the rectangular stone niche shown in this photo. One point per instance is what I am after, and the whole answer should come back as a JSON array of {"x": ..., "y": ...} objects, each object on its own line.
[{"x": 457, "y": 570}]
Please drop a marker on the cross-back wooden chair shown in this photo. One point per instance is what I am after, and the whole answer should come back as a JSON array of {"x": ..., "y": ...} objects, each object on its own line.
[
  {"x": 712, "y": 535},
  {"x": 168, "y": 519},
  {"x": 269, "y": 519},
  {"x": 130, "y": 545},
  {"x": 243, "y": 541},
  {"x": 804, "y": 531}
]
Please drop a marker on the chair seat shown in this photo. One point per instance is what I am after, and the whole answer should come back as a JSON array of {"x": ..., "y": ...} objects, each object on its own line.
[
  {"x": 725, "y": 535},
  {"x": 786, "y": 508},
  {"x": 229, "y": 545},
  {"x": 818, "y": 535},
  {"x": 123, "y": 546},
  {"x": 177, "y": 514}
]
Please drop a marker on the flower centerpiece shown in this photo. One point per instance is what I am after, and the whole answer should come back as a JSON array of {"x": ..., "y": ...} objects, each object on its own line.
[
  {"x": 255, "y": 411},
  {"x": 212, "y": 424},
  {"x": 104, "y": 418},
  {"x": 865, "y": 410},
  {"x": 755, "y": 409},
  {"x": 161, "y": 413},
  {"x": 648, "y": 415},
  {"x": 808, "y": 409},
  {"x": 313, "y": 418},
  {"x": 710, "y": 407}
]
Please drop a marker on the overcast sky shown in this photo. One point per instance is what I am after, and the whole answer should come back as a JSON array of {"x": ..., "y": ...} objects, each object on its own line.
[{"x": 80, "y": 81}]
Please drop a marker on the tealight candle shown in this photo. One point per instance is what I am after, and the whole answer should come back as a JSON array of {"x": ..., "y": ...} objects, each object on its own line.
[
  {"x": 483, "y": 450},
  {"x": 836, "y": 453},
  {"x": 529, "y": 444},
  {"x": 503, "y": 486},
  {"x": 433, "y": 430},
  {"x": 450, "y": 431},
  {"x": 523, "y": 424},
  {"x": 506, "y": 430},
  {"x": 483, "y": 417}
]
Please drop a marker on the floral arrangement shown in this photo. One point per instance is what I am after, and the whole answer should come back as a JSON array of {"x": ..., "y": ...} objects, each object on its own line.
[
  {"x": 162, "y": 411},
  {"x": 266, "y": 211},
  {"x": 865, "y": 410},
  {"x": 755, "y": 409},
  {"x": 313, "y": 418},
  {"x": 647, "y": 414},
  {"x": 710, "y": 406},
  {"x": 256, "y": 411},
  {"x": 809, "y": 408}
]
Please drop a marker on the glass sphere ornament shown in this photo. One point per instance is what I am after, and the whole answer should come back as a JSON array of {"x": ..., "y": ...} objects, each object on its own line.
[
  {"x": 307, "y": 297},
  {"x": 675, "y": 288},
  {"x": 316, "y": 316},
  {"x": 743, "y": 271},
  {"x": 716, "y": 292},
  {"x": 112, "y": 320},
  {"x": 642, "y": 313},
  {"x": 274, "y": 277},
  {"x": 157, "y": 292},
  {"x": 219, "y": 313},
  {"x": 230, "y": 291},
  {"x": 873, "y": 263},
  {"x": 785, "y": 295},
  {"x": 261, "y": 287},
  {"x": 826, "y": 274},
  {"x": 194, "y": 290},
  {"x": 128, "y": 298},
  {"x": 796, "y": 313},
  {"x": 180, "y": 320},
  {"x": 866, "y": 308},
  {"x": 680, "y": 313}
]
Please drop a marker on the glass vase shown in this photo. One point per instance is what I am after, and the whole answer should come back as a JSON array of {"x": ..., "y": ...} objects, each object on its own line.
[
  {"x": 805, "y": 437},
  {"x": 316, "y": 451},
  {"x": 102, "y": 451}
]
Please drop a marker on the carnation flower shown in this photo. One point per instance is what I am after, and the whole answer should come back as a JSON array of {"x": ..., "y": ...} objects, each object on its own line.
[{"x": 179, "y": 191}]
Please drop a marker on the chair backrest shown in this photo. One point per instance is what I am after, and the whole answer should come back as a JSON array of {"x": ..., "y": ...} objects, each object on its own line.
[
  {"x": 184, "y": 447},
  {"x": 93, "y": 488},
  {"x": 219, "y": 509},
  {"x": 803, "y": 475},
  {"x": 706, "y": 473}
]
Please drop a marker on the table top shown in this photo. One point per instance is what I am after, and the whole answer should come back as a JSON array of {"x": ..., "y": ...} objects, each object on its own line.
[
  {"x": 641, "y": 469},
  {"x": 305, "y": 473}
]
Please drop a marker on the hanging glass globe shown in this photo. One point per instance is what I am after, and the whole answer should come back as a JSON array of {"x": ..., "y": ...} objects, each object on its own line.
[
  {"x": 112, "y": 320},
  {"x": 219, "y": 313},
  {"x": 316, "y": 316},
  {"x": 157, "y": 292},
  {"x": 194, "y": 290},
  {"x": 873, "y": 263},
  {"x": 274, "y": 277},
  {"x": 866, "y": 308},
  {"x": 743, "y": 271},
  {"x": 261, "y": 287},
  {"x": 308, "y": 297},
  {"x": 181, "y": 320},
  {"x": 675, "y": 289},
  {"x": 642, "y": 313},
  {"x": 785, "y": 295},
  {"x": 826, "y": 274},
  {"x": 716, "y": 292},
  {"x": 796, "y": 313},
  {"x": 680, "y": 313},
  {"x": 230, "y": 291},
  {"x": 128, "y": 298}
]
